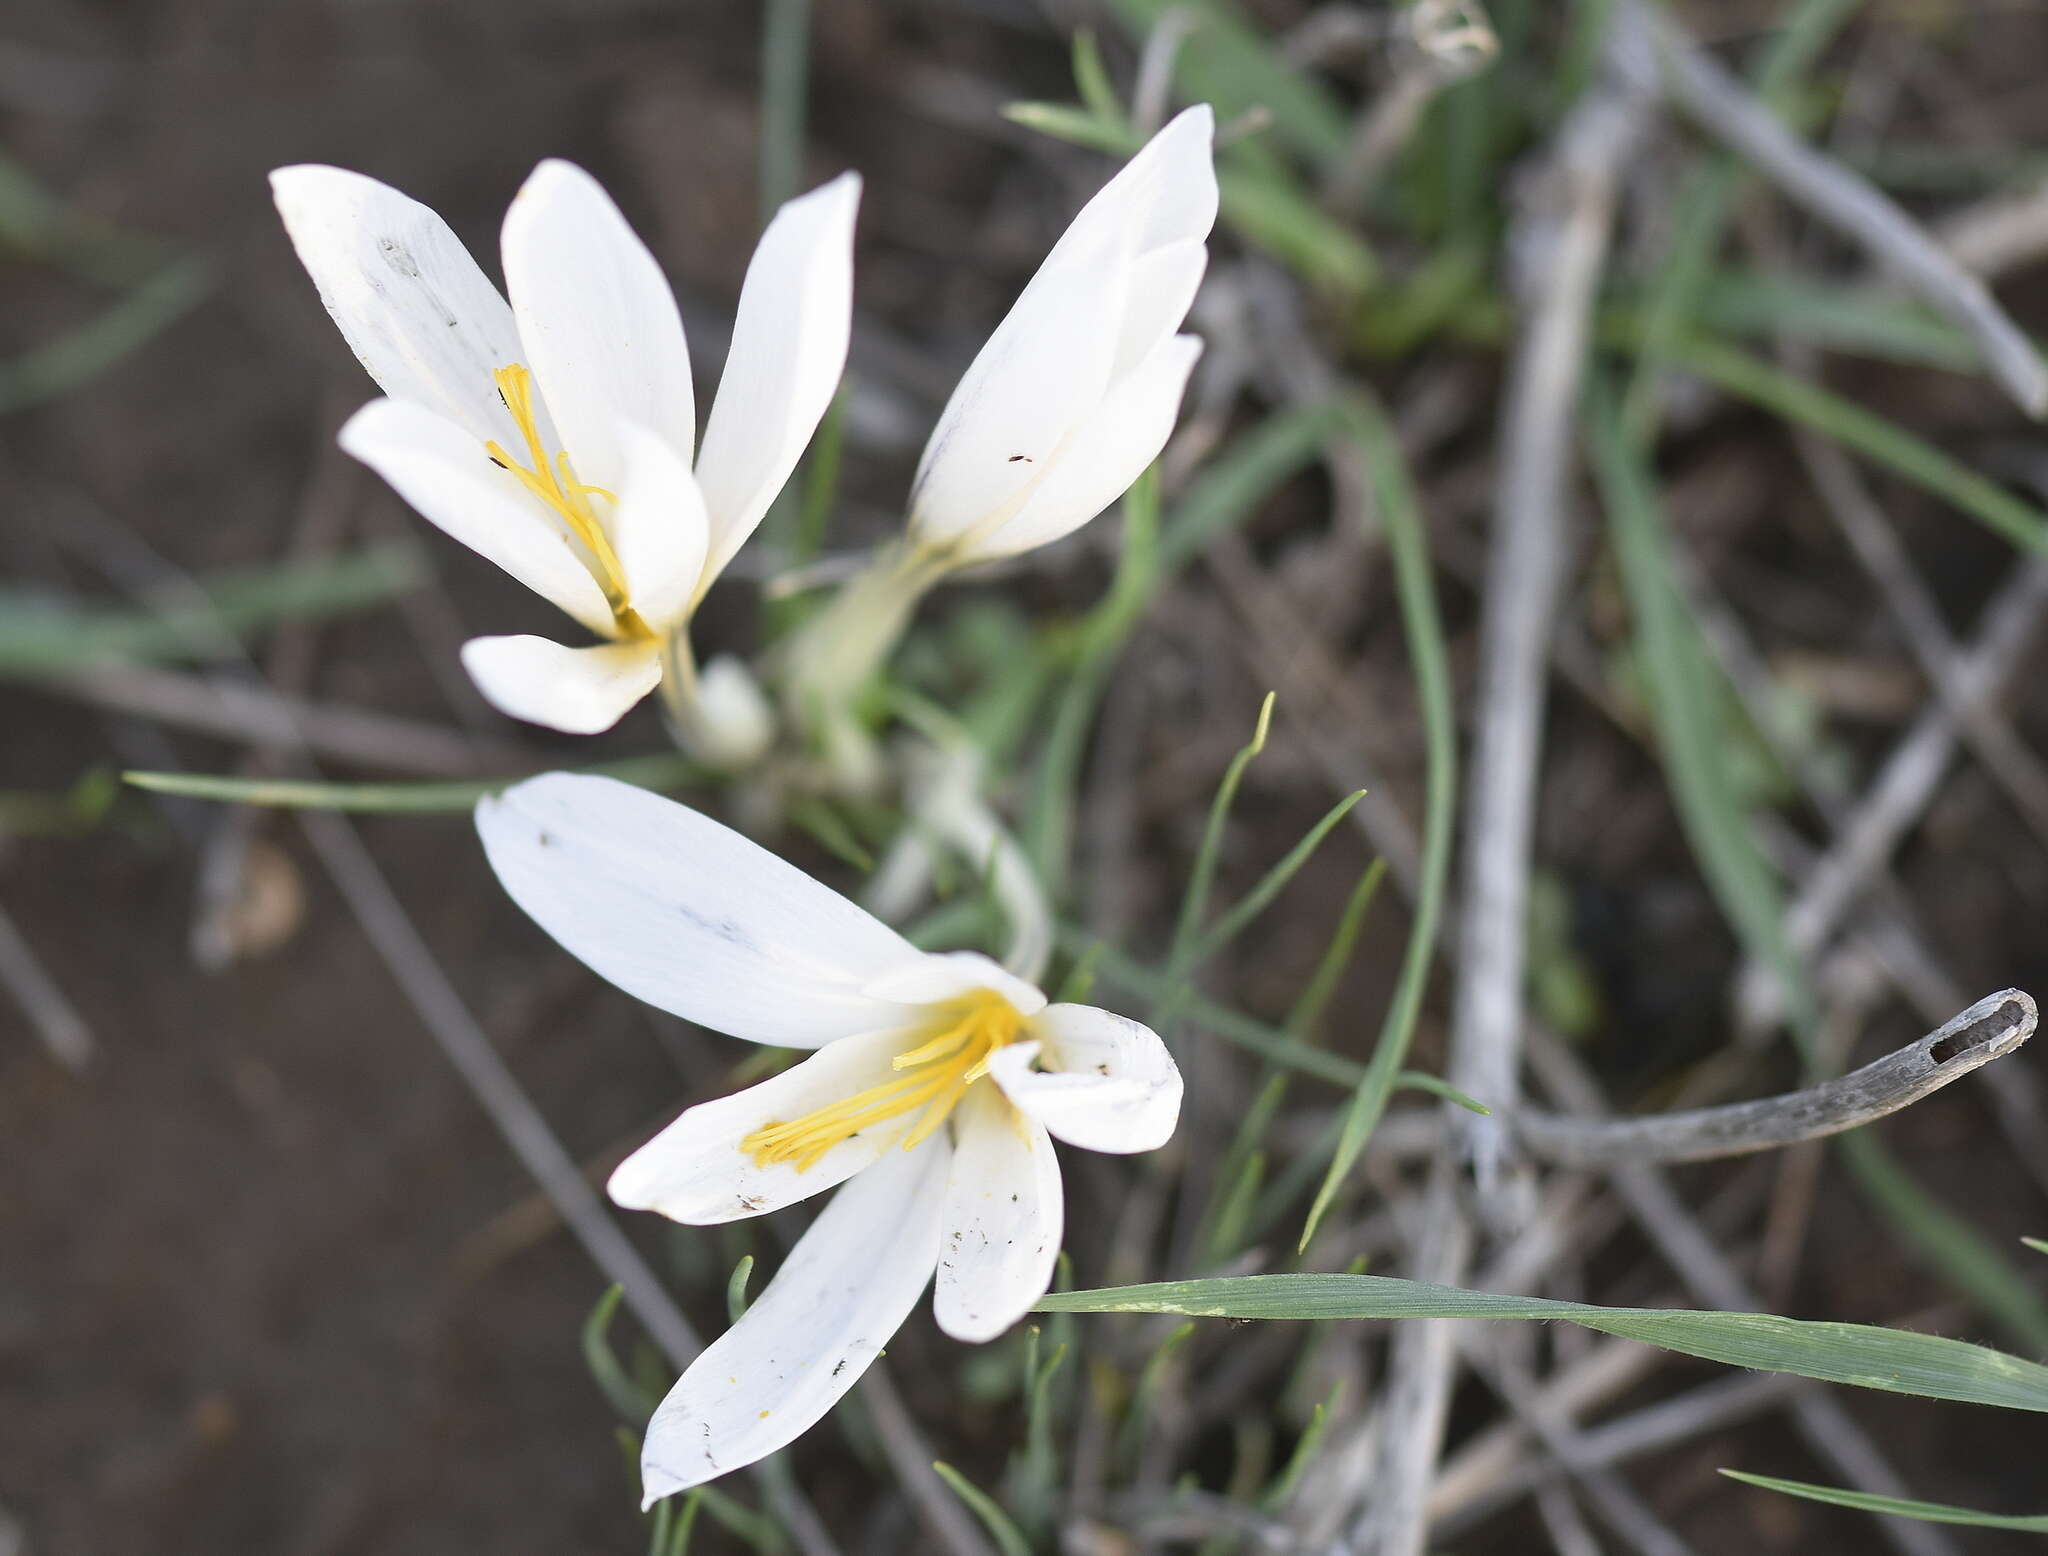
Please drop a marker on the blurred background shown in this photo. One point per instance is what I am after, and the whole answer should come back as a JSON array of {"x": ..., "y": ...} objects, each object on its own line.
[{"x": 269, "y": 1281}]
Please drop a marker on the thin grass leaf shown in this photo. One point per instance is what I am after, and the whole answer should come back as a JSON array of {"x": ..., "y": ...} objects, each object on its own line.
[
  {"x": 1271, "y": 211},
  {"x": 1049, "y": 825},
  {"x": 785, "y": 69},
  {"x": 1077, "y": 126},
  {"x": 1245, "y": 911},
  {"x": 1868, "y": 433},
  {"x": 1705, "y": 206},
  {"x": 1041, "y": 1457},
  {"x": 1241, "y": 1179},
  {"x": 41, "y": 635},
  {"x": 1686, "y": 698},
  {"x": 1000, "y": 1526},
  {"x": 1091, "y": 78},
  {"x": 612, "y": 1380},
  {"x": 1415, "y": 590},
  {"x": 1226, "y": 61},
  {"x": 758, "y": 1530},
  {"x": 1194, "y": 902},
  {"x": 685, "y": 1525},
  {"x": 1150, "y": 1381},
  {"x": 736, "y": 1289},
  {"x": 1900, "y": 1507},
  {"x": 1896, "y": 1361},
  {"x": 1956, "y": 1250},
  {"x": 1306, "y": 1447},
  {"x": 71, "y": 361},
  {"x": 658, "y": 770}
]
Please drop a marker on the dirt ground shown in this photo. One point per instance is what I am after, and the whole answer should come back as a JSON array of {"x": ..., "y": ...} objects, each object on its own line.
[{"x": 268, "y": 1280}]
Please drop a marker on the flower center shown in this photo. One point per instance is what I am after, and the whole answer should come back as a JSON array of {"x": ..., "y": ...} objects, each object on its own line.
[
  {"x": 554, "y": 483},
  {"x": 933, "y": 1076}
]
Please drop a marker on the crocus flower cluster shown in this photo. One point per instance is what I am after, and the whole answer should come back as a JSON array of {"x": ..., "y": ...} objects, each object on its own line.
[{"x": 555, "y": 434}]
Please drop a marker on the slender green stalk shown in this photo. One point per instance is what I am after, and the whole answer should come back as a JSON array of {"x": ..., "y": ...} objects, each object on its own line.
[{"x": 1416, "y": 591}]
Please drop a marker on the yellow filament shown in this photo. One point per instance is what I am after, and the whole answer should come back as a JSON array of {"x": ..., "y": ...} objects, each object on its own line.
[
  {"x": 554, "y": 483},
  {"x": 932, "y": 1076}
]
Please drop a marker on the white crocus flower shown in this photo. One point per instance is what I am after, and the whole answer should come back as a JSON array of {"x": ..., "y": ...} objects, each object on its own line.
[
  {"x": 1077, "y": 390},
  {"x": 1073, "y": 396},
  {"x": 937, "y": 1087},
  {"x": 554, "y": 435}
]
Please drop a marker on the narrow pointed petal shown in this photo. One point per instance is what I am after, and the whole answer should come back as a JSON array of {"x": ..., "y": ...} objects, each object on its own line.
[
  {"x": 442, "y": 470},
  {"x": 1163, "y": 196},
  {"x": 689, "y": 915},
  {"x": 597, "y": 322},
  {"x": 1005, "y": 1211},
  {"x": 843, "y": 1292},
  {"x": 412, "y": 304},
  {"x": 658, "y": 529},
  {"x": 789, "y": 345},
  {"x": 695, "y": 1172},
  {"x": 580, "y": 691},
  {"x": 947, "y": 975},
  {"x": 1125, "y": 435},
  {"x": 1024, "y": 397},
  {"x": 1107, "y": 1082}
]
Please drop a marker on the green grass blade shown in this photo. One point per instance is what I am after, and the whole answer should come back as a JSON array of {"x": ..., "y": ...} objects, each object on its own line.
[
  {"x": 1225, "y": 60},
  {"x": 41, "y": 635},
  {"x": 1869, "y": 434},
  {"x": 1000, "y": 1526},
  {"x": 1242, "y": 913},
  {"x": 1686, "y": 703},
  {"x": 1861, "y": 1355},
  {"x": 660, "y": 770},
  {"x": 1416, "y": 590},
  {"x": 1194, "y": 902},
  {"x": 1899, "y": 1507},
  {"x": 56, "y": 368},
  {"x": 611, "y": 1378},
  {"x": 785, "y": 70}
]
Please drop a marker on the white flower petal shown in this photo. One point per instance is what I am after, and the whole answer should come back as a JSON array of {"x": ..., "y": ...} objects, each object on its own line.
[
  {"x": 410, "y": 301},
  {"x": 1023, "y": 398},
  {"x": 658, "y": 529},
  {"x": 689, "y": 915},
  {"x": 947, "y": 975},
  {"x": 1125, "y": 435},
  {"x": 1004, "y": 1214},
  {"x": 580, "y": 691},
  {"x": 1163, "y": 287},
  {"x": 695, "y": 1172},
  {"x": 1109, "y": 1083},
  {"x": 597, "y": 322},
  {"x": 841, "y": 1294},
  {"x": 788, "y": 349},
  {"x": 1163, "y": 196},
  {"x": 442, "y": 470}
]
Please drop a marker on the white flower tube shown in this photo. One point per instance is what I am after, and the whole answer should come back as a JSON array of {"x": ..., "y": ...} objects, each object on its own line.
[
  {"x": 554, "y": 434},
  {"x": 937, "y": 1086}
]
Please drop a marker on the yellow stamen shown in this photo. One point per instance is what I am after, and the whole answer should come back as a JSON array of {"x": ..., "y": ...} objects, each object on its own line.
[
  {"x": 554, "y": 483},
  {"x": 933, "y": 1076}
]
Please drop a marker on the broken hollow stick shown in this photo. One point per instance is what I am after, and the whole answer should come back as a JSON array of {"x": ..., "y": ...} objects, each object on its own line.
[{"x": 1989, "y": 1029}]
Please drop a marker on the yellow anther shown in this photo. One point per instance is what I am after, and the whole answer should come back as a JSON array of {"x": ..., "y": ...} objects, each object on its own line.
[
  {"x": 932, "y": 1076},
  {"x": 554, "y": 482}
]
